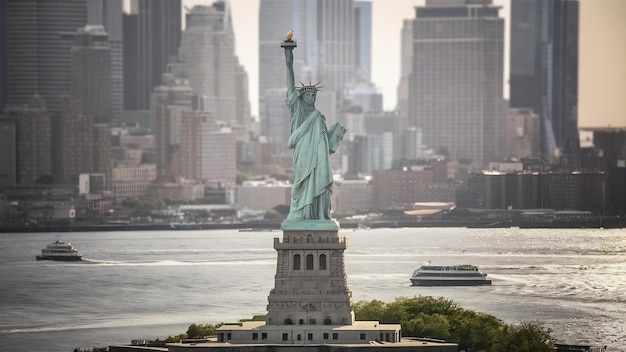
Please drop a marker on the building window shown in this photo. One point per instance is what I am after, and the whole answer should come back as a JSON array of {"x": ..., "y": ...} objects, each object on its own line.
[
  {"x": 335, "y": 336},
  {"x": 285, "y": 337},
  {"x": 309, "y": 262},
  {"x": 325, "y": 336},
  {"x": 312, "y": 321},
  {"x": 322, "y": 261},
  {"x": 301, "y": 321},
  {"x": 264, "y": 336},
  {"x": 362, "y": 336},
  {"x": 255, "y": 336},
  {"x": 296, "y": 262},
  {"x": 309, "y": 336},
  {"x": 299, "y": 337},
  {"x": 229, "y": 336}
]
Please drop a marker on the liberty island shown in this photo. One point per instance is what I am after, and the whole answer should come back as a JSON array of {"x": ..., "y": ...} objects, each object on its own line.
[{"x": 310, "y": 304}]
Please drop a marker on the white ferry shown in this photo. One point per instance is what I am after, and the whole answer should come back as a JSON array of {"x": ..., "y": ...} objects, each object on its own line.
[
  {"x": 59, "y": 250},
  {"x": 454, "y": 275}
]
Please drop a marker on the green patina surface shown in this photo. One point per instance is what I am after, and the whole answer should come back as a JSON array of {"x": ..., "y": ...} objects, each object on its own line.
[
  {"x": 310, "y": 225},
  {"x": 312, "y": 143}
]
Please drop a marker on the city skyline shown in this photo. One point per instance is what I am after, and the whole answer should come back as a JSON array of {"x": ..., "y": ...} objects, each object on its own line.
[
  {"x": 386, "y": 33},
  {"x": 606, "y": 19}
]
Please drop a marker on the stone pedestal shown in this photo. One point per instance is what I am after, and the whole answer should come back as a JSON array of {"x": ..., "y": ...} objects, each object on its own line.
[{"x": 310, "y": 282}]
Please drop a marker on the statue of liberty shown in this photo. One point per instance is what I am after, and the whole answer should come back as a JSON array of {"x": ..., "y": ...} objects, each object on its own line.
[{"x": 312, "y": 143}]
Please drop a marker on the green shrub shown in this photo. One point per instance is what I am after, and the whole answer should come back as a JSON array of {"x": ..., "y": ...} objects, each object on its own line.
[{"x": 441, "y": 318}]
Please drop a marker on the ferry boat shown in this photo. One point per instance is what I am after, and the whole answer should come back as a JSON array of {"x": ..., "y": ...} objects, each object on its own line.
[
  {"x": 61, "y": 251},
  {"x": 454, "y": 275}
]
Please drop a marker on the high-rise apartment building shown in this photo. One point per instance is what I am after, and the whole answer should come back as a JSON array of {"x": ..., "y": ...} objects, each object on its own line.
[
  {"x": 456, "y": 88},
  {"x": 222, "y": 159},
  {"x": 169, "y": 101},
  {"x": 544, "y": 70},
  {"x": 83, "y": 146},
  {"x": 34, "y": 140},
  {"x": 195, "y": 129},
  {"x": 37, "y": 59},
  {"x": 76, "y": 143},
  {"x": 151, "y": 39}
]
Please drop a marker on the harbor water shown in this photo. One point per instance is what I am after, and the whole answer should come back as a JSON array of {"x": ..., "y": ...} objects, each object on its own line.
[{"x": 153, "y": 284}]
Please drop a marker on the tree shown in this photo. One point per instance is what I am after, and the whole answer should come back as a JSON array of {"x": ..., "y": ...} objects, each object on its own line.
[
  {"x": 441, "y": 318},
  {"x": 198, "y": 331},
  {"x": 282, "y": 209},
  {"x": 272, "y": 215}
]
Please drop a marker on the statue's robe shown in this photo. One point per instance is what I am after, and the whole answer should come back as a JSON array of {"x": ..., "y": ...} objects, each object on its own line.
[{"x": 313, "y": 177}]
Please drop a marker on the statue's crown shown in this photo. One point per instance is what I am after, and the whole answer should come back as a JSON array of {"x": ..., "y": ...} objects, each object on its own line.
[{"x": 309, "y": 87}]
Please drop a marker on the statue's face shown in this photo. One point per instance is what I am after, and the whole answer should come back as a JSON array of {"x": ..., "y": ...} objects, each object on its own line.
[{"x": 309, "y": 98}]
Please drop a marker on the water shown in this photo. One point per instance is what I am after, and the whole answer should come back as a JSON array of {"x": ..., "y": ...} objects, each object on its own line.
[{"x": 155, "y": 284}]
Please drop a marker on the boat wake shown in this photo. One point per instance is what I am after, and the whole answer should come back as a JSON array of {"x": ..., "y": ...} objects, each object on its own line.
[
  {"x": 179, "y": 263},
  {"x": 148, "y": 320},
  {"x": 96, "y": 261}
]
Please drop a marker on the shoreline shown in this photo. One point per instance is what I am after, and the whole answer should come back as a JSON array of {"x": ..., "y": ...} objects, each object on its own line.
[{"x": 595, "y": 223}]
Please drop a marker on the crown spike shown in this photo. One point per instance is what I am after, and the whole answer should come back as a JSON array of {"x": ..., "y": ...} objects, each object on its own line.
[{"x": 310, "y": 87}]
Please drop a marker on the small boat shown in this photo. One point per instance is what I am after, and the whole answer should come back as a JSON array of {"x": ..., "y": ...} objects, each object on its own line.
[
  {"x": 61, "y": 251},
  {"x": 453, "y": 275}
]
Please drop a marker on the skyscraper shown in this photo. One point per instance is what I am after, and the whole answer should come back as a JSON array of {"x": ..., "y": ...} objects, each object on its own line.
[
  {"x": 108, "y": 13},
  {"x": 544, "y": 70},
  {"x": 455, "y": 93},
  {"x": 3, "y": 53},
  {"x": 208, "y": 61},
  {"x": 406, "y": 63},
  {"x": 156, "y": 38},
  {"x": 336, "y": 43},
  {"x": 564, "y": 114},
  {"x": 130, "y": 61},
  {"x": 37, "y": 56},
  {"x": 90, "y": 73},
  {"x": 525, "y": 47},
  {"x": 363, "y": 38}
]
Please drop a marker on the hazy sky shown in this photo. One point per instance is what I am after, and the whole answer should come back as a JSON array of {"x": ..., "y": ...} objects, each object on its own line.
[{"x": 602, "y": 77}]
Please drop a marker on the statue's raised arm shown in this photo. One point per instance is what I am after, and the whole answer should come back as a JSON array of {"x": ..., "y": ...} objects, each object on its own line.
[{"x": 289, "y": 45}]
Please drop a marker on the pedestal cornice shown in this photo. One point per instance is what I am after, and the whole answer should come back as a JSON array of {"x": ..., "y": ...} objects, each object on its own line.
[{"x": 310, "y": 225}]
